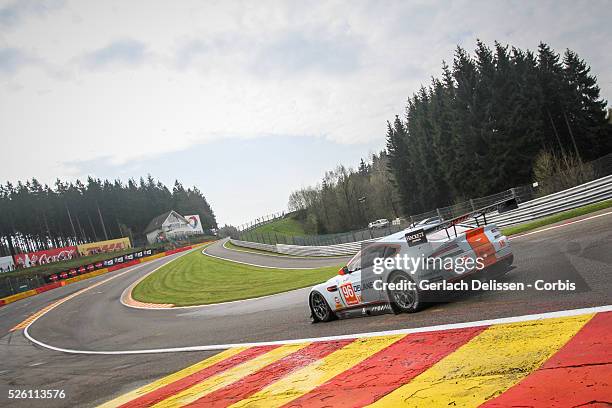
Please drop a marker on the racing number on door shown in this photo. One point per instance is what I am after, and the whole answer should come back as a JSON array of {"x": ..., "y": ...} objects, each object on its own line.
[{"x": 349, "y": 294}]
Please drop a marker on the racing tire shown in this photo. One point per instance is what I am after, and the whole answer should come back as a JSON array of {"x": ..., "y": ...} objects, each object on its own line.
[
  {"x": 404, "y": 301},
  {"x": 319, "y": 309}
]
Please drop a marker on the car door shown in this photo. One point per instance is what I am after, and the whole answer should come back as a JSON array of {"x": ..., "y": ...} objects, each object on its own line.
[{"x": 356, "y": 287}]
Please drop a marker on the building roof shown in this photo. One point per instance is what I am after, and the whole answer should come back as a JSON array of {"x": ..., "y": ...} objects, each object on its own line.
[{"x": 157, "y": 222}]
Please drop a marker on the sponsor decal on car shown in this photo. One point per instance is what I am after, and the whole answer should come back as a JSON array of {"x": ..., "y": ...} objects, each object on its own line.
[
  {"x": 416, "y": 237},
  {"x": 349, "y": 295}
]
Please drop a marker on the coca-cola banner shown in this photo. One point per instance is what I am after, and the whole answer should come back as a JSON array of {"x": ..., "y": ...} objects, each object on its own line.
[{"x": 44, "y": 257}]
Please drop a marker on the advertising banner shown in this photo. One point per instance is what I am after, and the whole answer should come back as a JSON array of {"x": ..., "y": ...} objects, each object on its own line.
[
  {"x": 44, "y": 257},
  {"x": 194, "y": 224},
  {"x": 104, "y": 246},
  {"x": 6, "y": 264}
]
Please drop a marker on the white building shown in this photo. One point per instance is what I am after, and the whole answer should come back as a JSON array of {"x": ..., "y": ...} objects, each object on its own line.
[{"x": 170, "y": 225}]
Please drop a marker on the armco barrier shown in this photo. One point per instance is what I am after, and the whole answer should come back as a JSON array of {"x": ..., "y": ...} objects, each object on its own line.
[
  {"x": 98, "y": 272},
  {"x": 254, "y": 245},
  {"x": 298, "y": 250},
  {"x": 584, "y": 194}
]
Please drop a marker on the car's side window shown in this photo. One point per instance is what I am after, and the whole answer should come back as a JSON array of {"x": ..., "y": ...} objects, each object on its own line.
[
  {"x": 370, "y": 253},
  {"x": 391, "y": 251},
  {"x": 365, "y": 258}
]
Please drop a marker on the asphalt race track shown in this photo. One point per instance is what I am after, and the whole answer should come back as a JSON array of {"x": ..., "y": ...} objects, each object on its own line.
[{"x": 96, "y": 320}]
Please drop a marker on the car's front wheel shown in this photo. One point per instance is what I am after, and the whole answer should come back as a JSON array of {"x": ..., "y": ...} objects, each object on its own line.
[
  {"x": 320, "y": 310},
  {"x": 407, "y": 298}
]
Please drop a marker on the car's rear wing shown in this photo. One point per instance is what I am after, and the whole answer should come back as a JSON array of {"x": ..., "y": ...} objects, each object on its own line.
[{"x": 480, "y": 216}]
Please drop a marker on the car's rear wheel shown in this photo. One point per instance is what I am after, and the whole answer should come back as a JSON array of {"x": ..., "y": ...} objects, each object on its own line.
[
  {"x": 320, "y": 310},
  {"x": 406, "y": 300}
]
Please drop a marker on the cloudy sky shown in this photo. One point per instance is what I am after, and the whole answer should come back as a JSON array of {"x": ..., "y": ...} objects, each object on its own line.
[{"x": 246, "y": 100}]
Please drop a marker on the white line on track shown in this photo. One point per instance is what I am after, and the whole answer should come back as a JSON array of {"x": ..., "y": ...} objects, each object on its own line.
[
  {"x": 565, "y": 224},
  {"x": 503, "y": 320},
  {"x": 231, "y": 302}
]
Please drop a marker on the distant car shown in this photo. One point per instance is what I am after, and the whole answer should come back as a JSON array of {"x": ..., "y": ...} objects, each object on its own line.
[
  {"x": 382, "y": 223},
  {"x": 430, "y": 221}
]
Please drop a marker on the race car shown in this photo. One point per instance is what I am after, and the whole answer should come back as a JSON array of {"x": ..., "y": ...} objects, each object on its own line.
[
  {"x": 376, "y": 281},
  {"x": 382, "y": 223}
]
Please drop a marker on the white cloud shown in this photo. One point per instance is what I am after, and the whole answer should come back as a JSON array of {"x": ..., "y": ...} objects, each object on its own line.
[
  {"x": 15, "y": 12},
  {"x": 127, "y": 80},
  {"x": 116, "y": 54},
  {"x": 13, "y": 59}
]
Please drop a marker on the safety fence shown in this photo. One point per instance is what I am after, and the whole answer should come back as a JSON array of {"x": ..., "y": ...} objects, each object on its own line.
[
  {"x": 584, "y": 194},
  {"x": 265, "y": 219},
  {"x": 348, "y": 248},
  {"x": 574, "y": 182},
  {"x": 273, "y": 238}
]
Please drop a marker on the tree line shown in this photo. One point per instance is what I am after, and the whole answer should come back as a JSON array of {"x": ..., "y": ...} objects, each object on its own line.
[
  {"x": 346, "y": 199},
  {"x": 35, "y": 216},
  {"x": 476, "y": 130}
]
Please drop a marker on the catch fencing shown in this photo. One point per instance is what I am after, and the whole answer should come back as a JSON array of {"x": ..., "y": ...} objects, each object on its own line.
[
  {"x": 531, "y": 206},
  {"x": 266, "y": 219}
]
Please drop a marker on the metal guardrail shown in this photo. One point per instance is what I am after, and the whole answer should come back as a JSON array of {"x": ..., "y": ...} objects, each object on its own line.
[
  {"x": 584, "y": 194},
  {"x": 349, "y": 248}
]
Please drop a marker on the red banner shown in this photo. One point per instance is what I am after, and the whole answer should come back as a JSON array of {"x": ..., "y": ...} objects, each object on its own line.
[{"x": 45, "y": 257}]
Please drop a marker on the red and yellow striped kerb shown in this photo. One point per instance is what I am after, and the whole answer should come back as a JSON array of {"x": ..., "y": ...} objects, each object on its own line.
[{"x": 562, "y": 361}]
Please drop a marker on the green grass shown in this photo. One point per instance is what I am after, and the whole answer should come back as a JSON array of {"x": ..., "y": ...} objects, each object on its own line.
[
  {"x": 517, "y": 229},
  {"x": 287, "y": 226},
  {"x": 197, "y": 279}
]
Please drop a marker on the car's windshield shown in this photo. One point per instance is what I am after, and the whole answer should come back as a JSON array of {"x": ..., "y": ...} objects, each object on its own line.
[
  {"x": 365, "y": 258},
  {"x": 355, "y": 263}
]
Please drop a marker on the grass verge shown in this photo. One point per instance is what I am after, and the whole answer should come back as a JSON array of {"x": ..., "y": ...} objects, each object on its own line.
[
  {"x": 517, "y": 229},
  {"x": 285, "y": 227},
  {"x": 197, "y": 279}
]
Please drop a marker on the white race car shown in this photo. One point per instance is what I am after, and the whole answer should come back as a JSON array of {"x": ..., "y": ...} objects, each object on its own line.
[{"x": 366, "y": 286}]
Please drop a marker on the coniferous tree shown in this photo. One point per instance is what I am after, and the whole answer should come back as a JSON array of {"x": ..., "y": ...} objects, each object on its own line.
[{"x": 35, "y": 216}]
